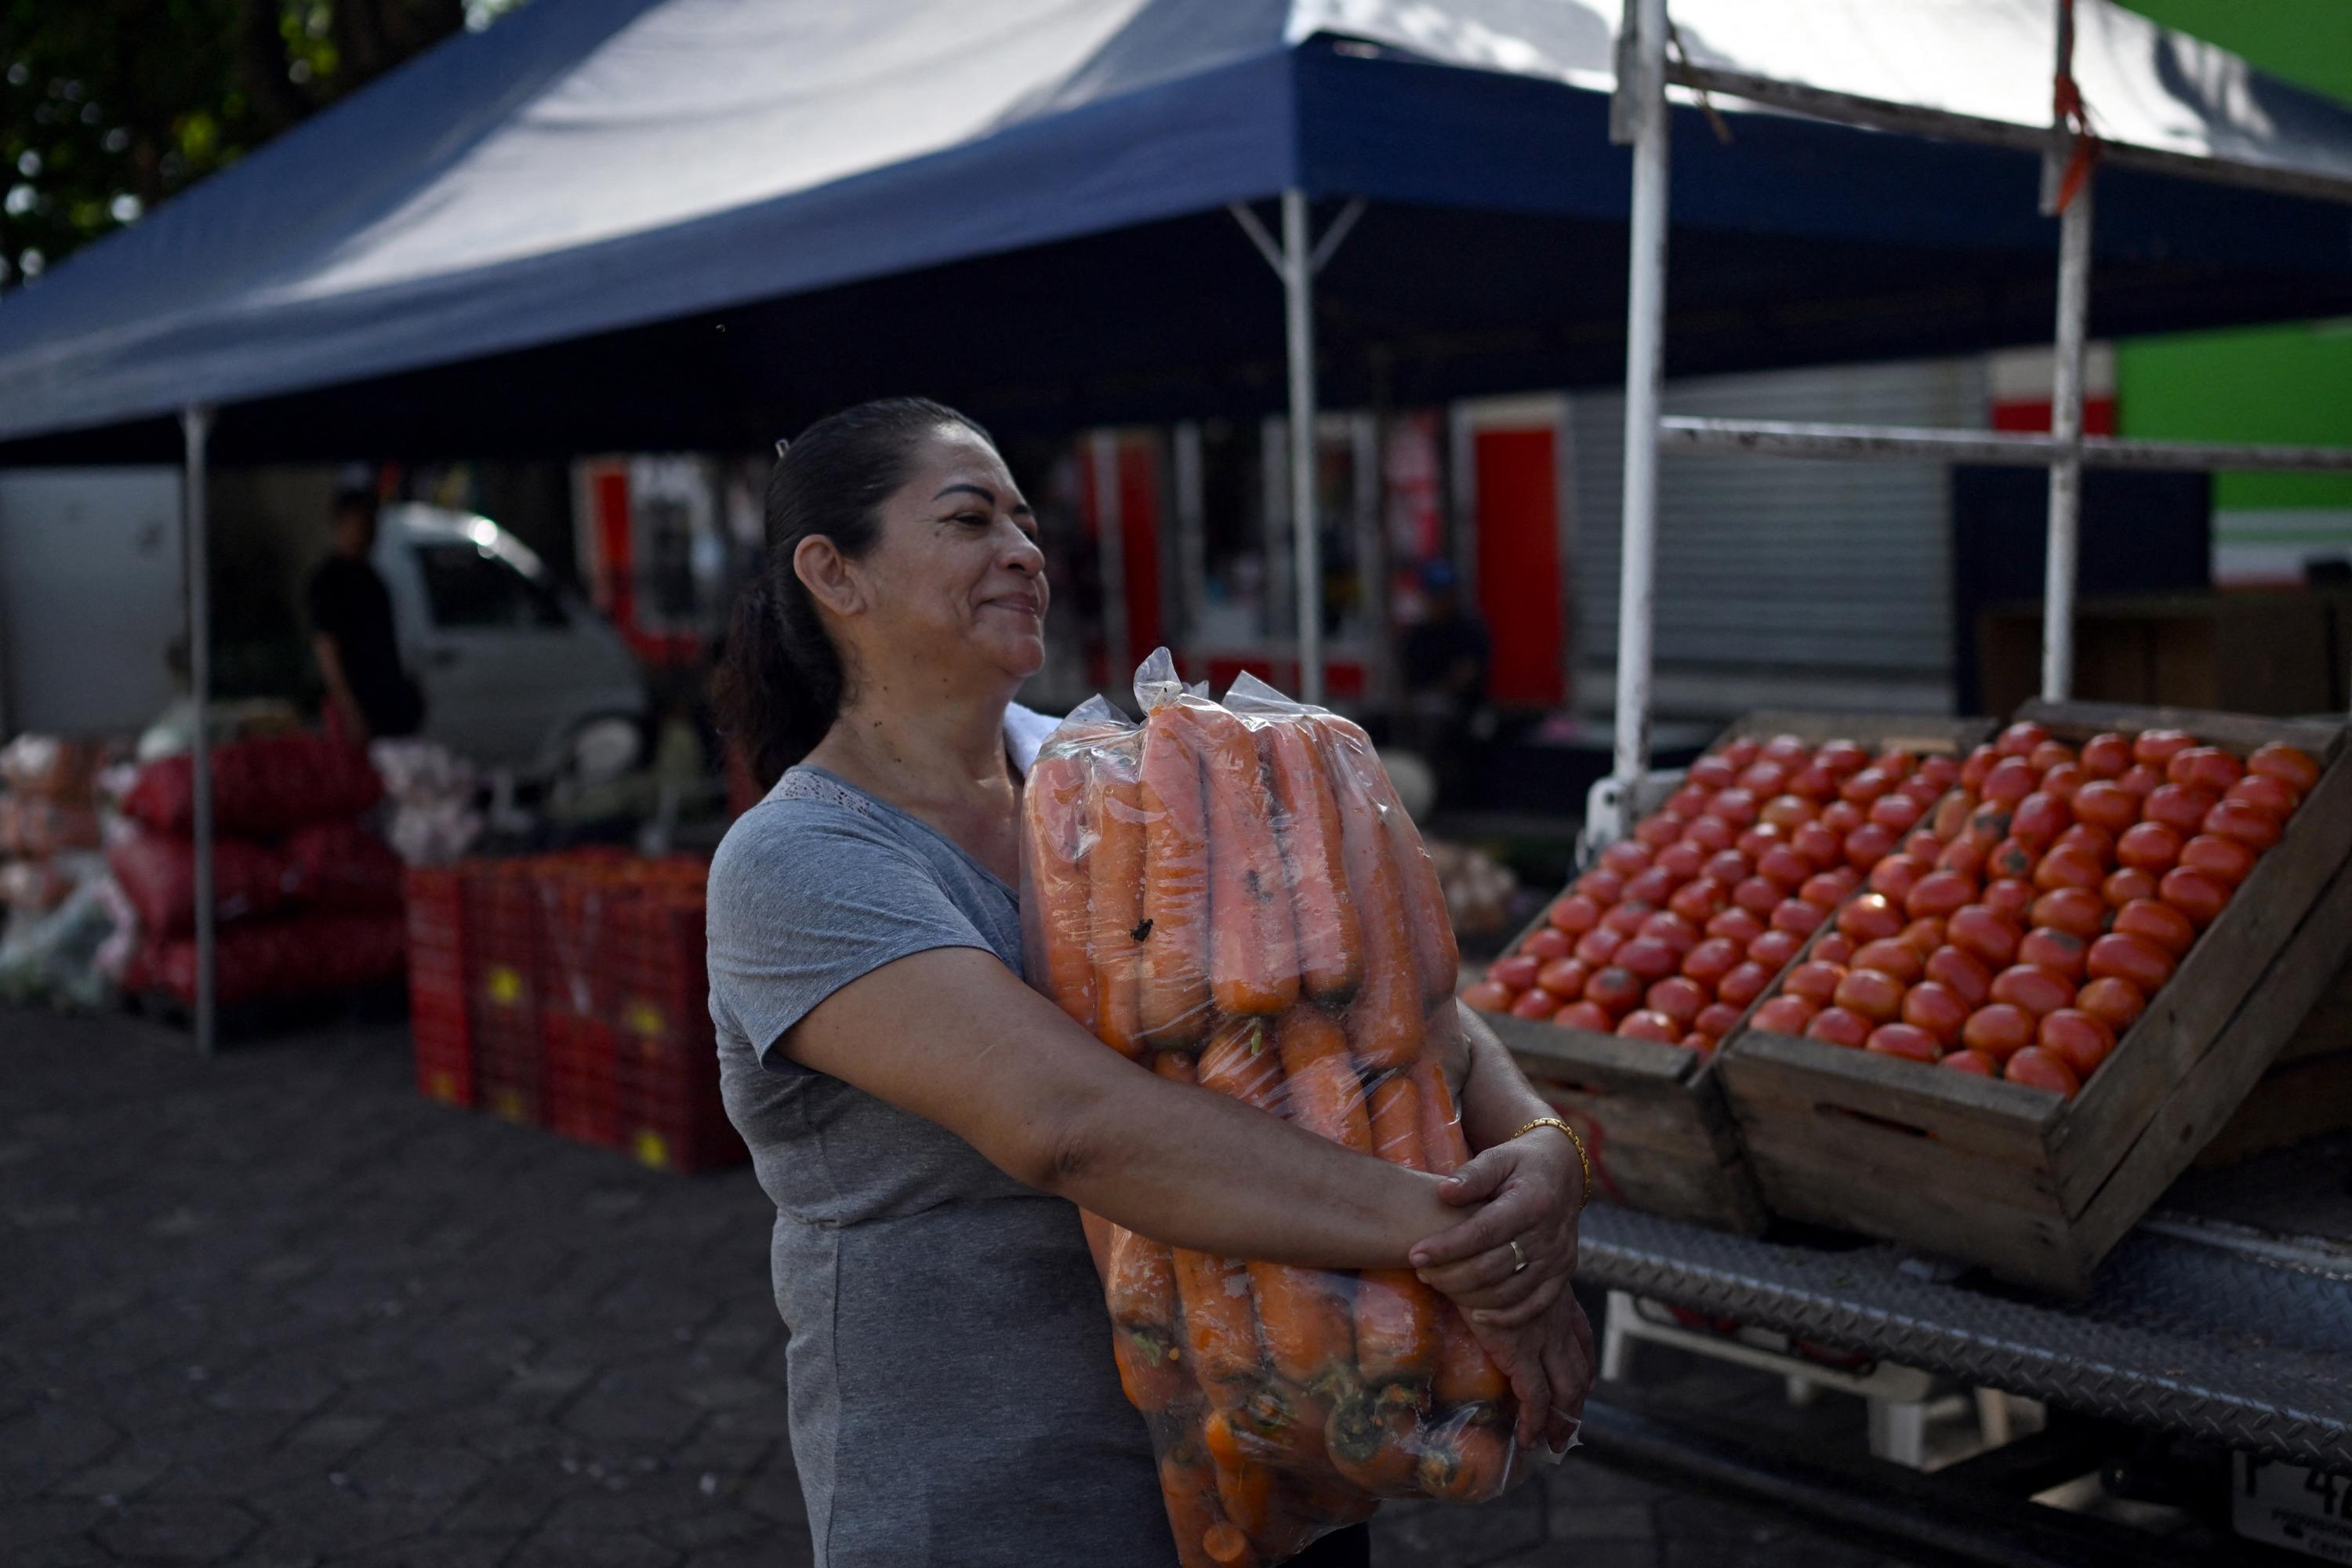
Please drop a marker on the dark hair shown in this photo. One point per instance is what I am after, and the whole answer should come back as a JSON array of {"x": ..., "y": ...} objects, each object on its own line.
[{"x": 781, "y": 684}]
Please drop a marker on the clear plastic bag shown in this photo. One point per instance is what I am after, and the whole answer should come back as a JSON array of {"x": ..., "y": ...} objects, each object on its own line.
[{"x": 1231, "y": 896}]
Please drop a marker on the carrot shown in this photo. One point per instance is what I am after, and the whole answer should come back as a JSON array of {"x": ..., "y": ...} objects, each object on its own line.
[
  {"x": 1115, "y": 899},
  {"x": 1396, "y": 1326},
  {"x": 1244, "y": 1486},
  {"x": 1188, "y": 1486},
  {"x": 1282, "y": 1426},
  {"x": 1172, "y": 982},
  {"x": 1374, "y": 1441},
  {"x": 1396, "y": 1122},
  {"x": 1252, "y": 943},
  {"x": 1150, "y": 1371},
  {"x": 1436, "y": 956},
  {"x": 1056, "y": 821},
  {"x": 1240, "y": 1062},
  {"x": 1470, "y": 1462},
  {"x": 1441, "y": 1142},
  {"x": 1307, "y": 814},
  {"x": 1467, "y": 1375},
  {"x": 1219, "y": 1324},
  {"x": 1324, "y": 1096},
  {"x": 1139, "y": 1283},
  {"x": 1302, "y": 1313},
  {"x": 1384, "y": 1024},
  {"x": 1228, "y": 1547}
]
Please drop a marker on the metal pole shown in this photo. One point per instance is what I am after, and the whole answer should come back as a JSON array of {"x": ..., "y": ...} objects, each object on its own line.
[
  {"x": 1306, "y": 515},
  {"x": 195, "y": 425},
  {"x": 1645, "y": 367},
  {"x": 2067, "y": 472}
]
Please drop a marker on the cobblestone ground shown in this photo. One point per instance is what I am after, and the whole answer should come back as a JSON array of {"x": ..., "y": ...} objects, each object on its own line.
[{"x": 275, "y": 1310}]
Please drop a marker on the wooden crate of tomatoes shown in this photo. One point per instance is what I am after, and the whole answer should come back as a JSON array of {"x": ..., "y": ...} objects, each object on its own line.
[
  {"x": 1615, "y": 999},
  {"x": 2059, "y": 991}
]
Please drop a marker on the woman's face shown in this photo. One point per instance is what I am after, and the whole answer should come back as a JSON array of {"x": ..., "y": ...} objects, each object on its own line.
[{"x": 956, "y": 578}]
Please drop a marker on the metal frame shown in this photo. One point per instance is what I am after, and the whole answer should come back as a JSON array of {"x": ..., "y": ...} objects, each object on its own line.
[{"x": 195, "y": 429}]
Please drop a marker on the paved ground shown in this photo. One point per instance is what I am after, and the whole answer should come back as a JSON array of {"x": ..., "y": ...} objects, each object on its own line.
[{"x": 275, "y": 1310}]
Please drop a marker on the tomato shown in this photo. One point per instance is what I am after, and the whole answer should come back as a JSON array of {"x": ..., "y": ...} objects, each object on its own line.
[
  {"x": 1547, "y": 942},
  {"x": 1842, "y": 756},
  {"x": 1892, "y": 955},
  {"x": 1839, "y": 1028},
  {"x": 1895, "y": 876},
  {"x": 2264, "y": 794},
  {"x": 1815, "y": 782},
  {"x": 1672, "y": 929},
  {"x": 1698, "y": 900},
  {"x": 1924, "y": 847},
  {"x": 1615, "y": 988},
  {"x": 2061, "y": 953},
  {"x": 2290, "y": 767},
  {"x": 1768, "y": 772},
  {"x": 1759, "y": 896},
  {"x": 1951, "y": 815},
  {"x": 1798, "y": 917},
  {"x": 1905, "y": 1040},
  {"x": 2106, "y": 805},
  {"x": 1776, "y": 947},
  {"x": 2069, "y": 867},
  {"x": 2224, "y": 860},
  {"x": 1894, "y": 760},
  {"x": 1833, "y": 947},
  {"x": 2037, "y": 1069},
  {"x": 1784, "y": 1016},
  {"x": 1736, "y": 806},
  {"x": 1936, "y": 1007},
  {"x": 2140, "y": 780},
  {"x": 2011, "y": 781},
  {"x": 1869, "y": 917},
  {"x": 2010, "y": 857},
  {"x": 2077, "y": 1038},
  {"x": 1992, "y": 937},
  {"x": 1644, "y": 1025},
  {"x": 1599, "y": 944},
  {"x": 1843, "y": 817},
  {"x": 2076, "y": 911},
  {"x": 2063, "y": 780},
  {"x": 1867, "y": 845},
  {"x": 1658, "y": 830},
  {"x": 2159, "y": 924},
  {"x": 1731, "y": 866},
  {"x": 1742, "y": 750},
  {"x": 1653, "y": 887},
  {"x": 2104, "y": 756},
  {"x": 1626, "y": 856},
  {"x": 1710, "y": 833},
  {"x": 1828, "y": 889},
  {"x": 2122, "y": 887},
  {"x": 2039, "y": 819},
  {"x": 1565, "y": 978},
  {"x": 2114, "y": 1003},
  {"x": 1715, "y": 1019},
  {"x": 1649, "y": 958},
  {"x": 2208, "y": 768},
  {"x": 1978, "y": 763},
  {"x": 1787, "y": 812},
  {"x": 1897, "y": 813},
  {"x": 2049, "y": 754},
  {"x": 1925, "y": 935},
  {"x": 2193, "y": 894},
  {"x": 1537, "y": 1004},
  {"x": 1753, "y": 841},
  {"x": 2038, "y": 991},
  {"x": 1517, "y": 972},
  {"x": 1975, "y": 1062},
  {"x": 1867, "y": 785},
  {"x": 1966, "y": 856},
  {"x": 1870, "y": 993},
  {"x": 1602, "y": 886},
  {"x": 2019, "y": 738},
  {"x": 1822, "y": 846},
  {"x": 1714, "y": 773},
  {"x": 1998, "y": 1030},
  {"x": 2096, "y": 842},
  {"x": 1589, "y": 1015},
  {"x": 1689, "y": 801},
  {"x": 1489, "y": 998},
  {"x": 2177, "y": 807},
  {"x": 1679, "y": 998},
  {"x": 1681, "y": 859},
  {"x": 2009, "y": 898},
  {"x": 1781, "y": 863},
  {"x": 1627, "y": 919},
  {"x": 2150, "y": 846},
  {"x": 1961, "y": 972},
  {"x": 1815, "y": 981},
  {"x": 2157, "y": 747},
  {"x": 2123, "y": 956},
  {"x": 1744, "y": 983},
  {"x": 1737, "y": 924},
  {"x": 1941, "y": 772},
  {"x": 1938, "y": 893},
  {"x": 1713, "y": 958},
  {"x": 2250, "y": 825}
]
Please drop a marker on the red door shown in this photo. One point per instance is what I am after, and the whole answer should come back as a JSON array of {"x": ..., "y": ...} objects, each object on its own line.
[{"x": 1519, "y": 594}]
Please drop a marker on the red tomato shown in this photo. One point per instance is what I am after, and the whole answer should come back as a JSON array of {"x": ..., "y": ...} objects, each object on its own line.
[
  {"x": 1998, "y": 1030},
  {"x": 2157, "y": 747},
  {"x": 1867, "y": 845},
  {"x": 1731, "y": 866},
  {"x": 1867, "y": 785},
  {"x": 1489, "y": 998},
  {"x": 1842, "y": 756},
  {"x": 1784, "y": 1016},
  {"x": 1679, "y": 998},
  {"x": 1925, "y": 935},
  {"x": 2011, "y": 858},
  {"x": 1710, "y": 833},
  {"x": 2061, "y": 953},
  {"x": 1796, "y": 916},
  {"x": 1670, "y": 928},
  {"x": 1615, "y": 988},
  {"x": 2096, "y": 842},
  {"x": 2177, "y": 807},
  {"x": 1938, "y": 893},
  {"x": 1698, "y": 900},
  {"x": 2223, "y": 860},
  {"x": 1822, "y": 846},
  {"x": 2123, "y": 956},
  {"x": 1898, "y": 812},
  {"x": 1656, "y": 831},
  {"x": 1715, "y": 1019},
  {"x": 1833, "y": 947},
  {"x": 1683, "y": 859},
  {"x": 1625, "y": 857},
  {"x": 1974, "y": 1062},
  {"x": 1839, "y": 1028},
  {"x": 1978, "y": 763},
  {"x": 1895, "y": 876},
  {"x": 1940, "y": 772},
  {"x": 1714, "y": 773},
  {"x": 2069, "y": 867},
  {"x": 1870, "y": 916},
  {"x": 1759, "y": 896},
  {"x": 2265, "y": 793},
  {"x": 2208, "y": 768},
  {"x": 1870, "y": 993},
  {"x": 1517, "y": 972},
  {"x": 2122, "y": 887},
  {"x": 2106, "y": 805},
  {"x": 1547, "y": 942},
  {"x": 1967, "y": 856},
  {"x": 1689, "y": 801},
  {"x": 1992, "y": 937},
  {"x": 1645, "y": 1025},
  {"x": 1537, "y": 1005},
  {"x": 1842, "y": 818},
  {"x": 2007, "y": 897},
  {"x": 2049, "y": 754},
  {"x": 2019, "y": 738},
  {"x": 1653, "y": 887},
  {"x": 2106, "y": 756},
  {"x": 1924, "y": 847},
  {"x": 1891, "y": 956},
  {"x": 2039, "y": 819},
  {"x": 2150, "y": 846},
  {"x": 1602, "y": 886},
  {"x": 2140, "y": 780},
  {"x": 2037, "y": 1069},
  {"x": 1783, "y": 865},
  {"x": 1599, "y": 944},
  {"x": 1787, "y": 812},
  {"x": 1565, "y": 978},
  {"x": 1815, "y": 782},
  {"x": 1896, "y": 761},
  {"x": 1589, "y": 1015},
  {"x": 1815, "y": 981},
  {"x": 1625, "y": 919},
  {"x": 1951, "y": 815},
  {"x": 2114, "y": 1003},
  {"x": 1736, "y": 806},
  {"x": 1828, "y": 889},
  {"x": 2194, "y": 894},
  {"x": 1649, "y": 958},
  {"x": 1936, "y": 1007},
  {"x": 2159, "y": 922},
  {"x": 2011, "y": 781},
  {"x": 1905, "y": 1041},
  {"x": 2290, "y": 767},
  {"x": 2076, "y": 911},
  {"x": 1776, "y": 947},
  {"x": 2038, "y": 991},
  {"x": 1742, "y": 750},
  {"x": 1712, "y": 959},
  {"x": 2250, "y": 825},
  {"x": 2077, "y": 1038},
  {"x": 1961, "y": 972},
  {"x": 1737, "y": 924},
  {"x": 2063, "y": 780},
  {"x": 1744, "y": 983},
  {"x": 1764, "y": 777}
]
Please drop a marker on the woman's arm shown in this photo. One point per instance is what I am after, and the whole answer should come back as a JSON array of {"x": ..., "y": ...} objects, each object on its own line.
[{"x": 952, "y": 1035}]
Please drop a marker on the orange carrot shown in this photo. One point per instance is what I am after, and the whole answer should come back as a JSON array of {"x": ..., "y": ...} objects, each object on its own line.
[
  {"x": 1396, "y": 1326},
  {"x": 1252, "y": 943},
  {"x": 1240, "y": 1062},
  {"x": 1140, "y": 1285},
  {"x": 1056, "y": 820},
  {"x": 1115, "y": 898},
  {"x": 1172, "y": 986},
  {"x": 1436, "y": 956},
  {"x": 1375, "y": 1442},
  {"x": 1330, "y": 939},
  {"x": 1468, "y": 1462},
  {"x": 1384, "y": 1024},
  {"x": 1219, "y": 1324},
  {"x": 1442, "y": 1141},
  {"x": 1188, "y": 1485},
  {"x": 1467, "y": 1375},
  {"x": 1245, "y": 1486},
  {"x": 1282, "y": 1426},
  {"x": 1302, "y": 1313},
  {"x": 1149, "y": 1373},
  {"x": 1228, "y": 1547},
  {"x": 1396, "y": 1122},
  {"x": 1324, "y": 1096}
]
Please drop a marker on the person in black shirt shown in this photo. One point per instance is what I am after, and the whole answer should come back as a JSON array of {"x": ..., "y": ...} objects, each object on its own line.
[
  {"x": 1444, "y": 659},
  {"x": 369, "y": 695}
]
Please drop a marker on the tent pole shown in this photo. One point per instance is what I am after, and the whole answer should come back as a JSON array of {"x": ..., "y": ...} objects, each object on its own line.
[
  {"x": 2066, "y": 471},
  {"x": 1307, "y": 544},
  {"x": 1645, "y": 360},
  {"x": 196, "y": 426}
]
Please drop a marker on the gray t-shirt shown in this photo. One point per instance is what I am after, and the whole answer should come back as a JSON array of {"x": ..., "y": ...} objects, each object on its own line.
[{"x": 953, "y": 1397}]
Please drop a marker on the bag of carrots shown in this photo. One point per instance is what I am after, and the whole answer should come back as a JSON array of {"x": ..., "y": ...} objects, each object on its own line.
[{"x": 1231, "y": 896}]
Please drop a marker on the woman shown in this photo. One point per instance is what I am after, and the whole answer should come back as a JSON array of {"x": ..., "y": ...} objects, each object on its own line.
[{"x": 925, "y": 1123}]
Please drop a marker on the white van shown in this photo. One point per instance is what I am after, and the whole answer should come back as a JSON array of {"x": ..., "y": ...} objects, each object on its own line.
[{"x": 517, "y": 672}]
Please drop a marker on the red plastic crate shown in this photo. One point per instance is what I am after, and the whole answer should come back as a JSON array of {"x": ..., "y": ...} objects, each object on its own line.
[
  {"x": 671, "y": 1112},
  {"x": 438, "y": 1024},
  {"x": 581, "y": 1099}
]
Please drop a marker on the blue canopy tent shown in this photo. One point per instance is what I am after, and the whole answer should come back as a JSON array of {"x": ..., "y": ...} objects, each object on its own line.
[{"x": 659, "y": 223}]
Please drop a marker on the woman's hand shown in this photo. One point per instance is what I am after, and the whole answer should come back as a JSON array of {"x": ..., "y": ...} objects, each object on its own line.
[
  {"x": 1549, "y": 1362},
  {"x": 1532, "y": 1187}
]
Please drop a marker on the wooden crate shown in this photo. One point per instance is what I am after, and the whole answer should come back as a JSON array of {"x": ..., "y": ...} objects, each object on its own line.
[
  {"x": 2036, "y": 1189},
  {"x": 1654, "y": 1117},
  {"x": 2307, "y": 1091}
]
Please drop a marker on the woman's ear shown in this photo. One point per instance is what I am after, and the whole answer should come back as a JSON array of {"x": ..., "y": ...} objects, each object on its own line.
[{"x": 826, "y": 575}]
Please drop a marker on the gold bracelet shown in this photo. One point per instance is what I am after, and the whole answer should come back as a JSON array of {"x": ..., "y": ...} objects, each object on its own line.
[{"x": 1584, "y": 1196}]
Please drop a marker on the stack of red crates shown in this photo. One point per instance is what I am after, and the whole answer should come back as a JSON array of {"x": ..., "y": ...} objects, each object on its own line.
[
  {"x": 672, "y": 1116},
  {"x": 438, "y": 983},
  {"x": 502, "y": 930},
  {"x": 578, "y": 894}
]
